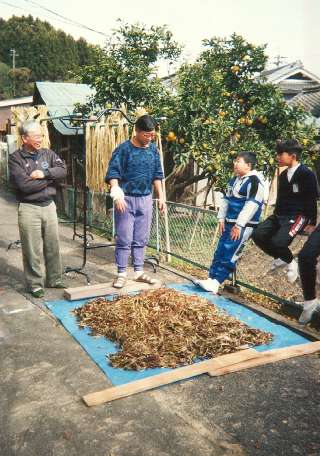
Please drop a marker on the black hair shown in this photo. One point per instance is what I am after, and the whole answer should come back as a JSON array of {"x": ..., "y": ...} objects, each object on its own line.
[
  {"x": 291, "y": 146},
  {"x": 249, "y": 158},
  {"x": 145, "y": 123}
]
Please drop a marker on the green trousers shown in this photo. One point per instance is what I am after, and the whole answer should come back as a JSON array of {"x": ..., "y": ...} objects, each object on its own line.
[{"x": 38, "y": 227}]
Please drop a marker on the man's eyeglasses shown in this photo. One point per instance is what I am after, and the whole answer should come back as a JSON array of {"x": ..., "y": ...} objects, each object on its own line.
[
  {"x": 35, "y": 136},
  {"x": 150, "y": 135}
]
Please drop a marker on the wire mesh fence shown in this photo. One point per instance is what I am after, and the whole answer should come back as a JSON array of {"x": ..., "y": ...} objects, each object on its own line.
[
  {"x": 191, "y": 234},
  {"x": 186, "y": 232}
]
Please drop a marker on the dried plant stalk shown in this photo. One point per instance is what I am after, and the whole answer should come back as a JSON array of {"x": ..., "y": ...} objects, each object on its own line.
[
  {"x": 165, "y": 328},
  {"x": 101, "y": 140},
  {"x": 20, "y": 114}
]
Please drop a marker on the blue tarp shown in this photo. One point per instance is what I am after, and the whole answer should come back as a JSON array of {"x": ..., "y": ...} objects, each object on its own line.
[{"x": 98, "y": 347}]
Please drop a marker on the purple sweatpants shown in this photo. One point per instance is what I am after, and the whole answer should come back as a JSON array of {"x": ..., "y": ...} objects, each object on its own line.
[{"x": 132, "y": 231}]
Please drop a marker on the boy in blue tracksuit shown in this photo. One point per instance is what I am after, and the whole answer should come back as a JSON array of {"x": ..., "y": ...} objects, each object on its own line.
[{"x": 239, "y": 213}]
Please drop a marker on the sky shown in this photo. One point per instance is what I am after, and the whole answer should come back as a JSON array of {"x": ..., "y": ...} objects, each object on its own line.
[{"x": 290, "y": 28}]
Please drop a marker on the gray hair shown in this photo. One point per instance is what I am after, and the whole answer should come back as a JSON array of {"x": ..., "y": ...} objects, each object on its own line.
[{"x": 28, "y": 126}]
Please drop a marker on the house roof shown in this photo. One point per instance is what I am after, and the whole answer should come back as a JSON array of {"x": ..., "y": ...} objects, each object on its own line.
[
  {"x": 310, "y": 100},
  {"x": 278, "y": 74},
  {"x": 15, "y": 102},
  {"x": 5, "y": 109},
  {"x": 60, "y": 99}
]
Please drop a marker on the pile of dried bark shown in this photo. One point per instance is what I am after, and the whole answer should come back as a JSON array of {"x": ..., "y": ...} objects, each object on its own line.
[{"x": 165, "y": 328}]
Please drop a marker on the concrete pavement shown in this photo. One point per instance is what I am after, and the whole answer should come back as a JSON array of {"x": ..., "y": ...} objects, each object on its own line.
[{"x": 269, "y": 411}]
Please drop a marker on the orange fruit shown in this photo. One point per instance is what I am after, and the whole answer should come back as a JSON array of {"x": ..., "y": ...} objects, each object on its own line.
[
  {"x": 171, "y": 136},
  {"x": 235, "y": 69}
]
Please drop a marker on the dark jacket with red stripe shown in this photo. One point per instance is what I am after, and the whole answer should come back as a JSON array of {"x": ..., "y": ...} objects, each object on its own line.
[
  {"x": 21, "y": 165},
  {"x": 299, "y": 196}
]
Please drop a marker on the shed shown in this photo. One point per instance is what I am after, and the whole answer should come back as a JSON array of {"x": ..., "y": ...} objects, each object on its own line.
[{"x": 60, "y": 99}]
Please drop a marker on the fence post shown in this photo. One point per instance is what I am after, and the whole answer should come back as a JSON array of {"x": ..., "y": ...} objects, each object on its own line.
[
  {"x": 113, "y": 222},
  {"x": 157, "y": 228},
  {"x": 166, "y": 221}
]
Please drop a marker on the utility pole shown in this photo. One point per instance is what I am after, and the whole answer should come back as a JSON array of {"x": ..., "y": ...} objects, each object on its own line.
[{"x": 14, "y": 55}]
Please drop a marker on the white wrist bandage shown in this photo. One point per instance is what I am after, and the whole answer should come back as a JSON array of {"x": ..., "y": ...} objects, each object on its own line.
[{"x": 116, "y": 193}]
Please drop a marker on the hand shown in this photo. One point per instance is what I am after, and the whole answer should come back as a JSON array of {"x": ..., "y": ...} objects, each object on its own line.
[
  {"x": 235, "y": 233},
  {"x": 221, "y": 226},
  {"x": 120, "y": 205},
  {"x": 37, "y": 174},
  {"x": 309, "y": 229},
  {"x": 161, "y": 206}
]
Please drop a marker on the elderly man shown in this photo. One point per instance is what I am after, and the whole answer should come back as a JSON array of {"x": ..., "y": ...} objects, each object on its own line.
[{"x": 34, "y": 172}]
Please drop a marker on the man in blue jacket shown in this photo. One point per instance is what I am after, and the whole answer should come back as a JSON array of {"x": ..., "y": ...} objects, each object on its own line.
[
  {"x": 134, "y": 170},
  {"x": 238, "y": 214},
  {"x": 34, "y": 173}
]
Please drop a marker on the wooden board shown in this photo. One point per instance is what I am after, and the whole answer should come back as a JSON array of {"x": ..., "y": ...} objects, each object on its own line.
[
  {"x": 181, "y": 373},
  {"x": 233, "y": 362},
  {"x": 267, "y": 357},
  {"x": 104, "y": 289}
]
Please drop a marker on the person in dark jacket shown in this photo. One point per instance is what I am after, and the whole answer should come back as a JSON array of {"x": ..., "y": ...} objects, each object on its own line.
[
  {"x": 34, "y": 173},
  {"x": 307, "y": 259},
  {"x": 295, "y": 209}
]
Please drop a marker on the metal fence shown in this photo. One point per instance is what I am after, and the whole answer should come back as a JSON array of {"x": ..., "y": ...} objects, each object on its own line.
[
  {"x": 189, "y": 234},
  {"x": 185, "y": 232}
]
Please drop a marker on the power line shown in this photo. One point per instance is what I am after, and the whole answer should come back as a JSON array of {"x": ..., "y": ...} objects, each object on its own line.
[
  {"x": 44, "y": 16},
  {"x": 71, "y": 21},
  {"x": 13, "y": 6}
]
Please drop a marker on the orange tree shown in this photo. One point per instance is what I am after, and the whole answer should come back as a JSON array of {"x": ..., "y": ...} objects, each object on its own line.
[
  {"x": 223, "y": 107},
  {"x": 219, "y": 106},
  {"x": 125, "y": 71}
]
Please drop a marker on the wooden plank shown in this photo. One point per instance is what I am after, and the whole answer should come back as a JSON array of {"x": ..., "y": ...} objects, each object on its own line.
[
  {"x": 181, "y": 373},
  {"x": 268, "y": 357},
  {"x": 104, "y": 289}
]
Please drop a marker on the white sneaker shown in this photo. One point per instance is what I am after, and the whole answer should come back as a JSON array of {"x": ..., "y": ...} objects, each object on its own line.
[
  {"x": 309, "y": 307},
  {"x": 293, "y": 271},
  {"x": 209, "y": 285},
  {"x": 277, "y": 263}
]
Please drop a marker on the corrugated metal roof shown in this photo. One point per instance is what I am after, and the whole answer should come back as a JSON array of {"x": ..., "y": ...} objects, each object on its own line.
[{"x": 60, "y": 99}]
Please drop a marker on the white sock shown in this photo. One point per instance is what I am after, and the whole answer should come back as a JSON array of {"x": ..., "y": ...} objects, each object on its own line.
[
  {"x": 122, "y": 274},
  {"x": 308, "y": 304},
  {"x": 137, "y": 274},
  {"x": 292, "y": 265}
]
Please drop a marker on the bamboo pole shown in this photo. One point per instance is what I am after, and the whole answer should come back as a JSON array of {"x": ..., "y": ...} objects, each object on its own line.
[{"x": 166, "y": 218}]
